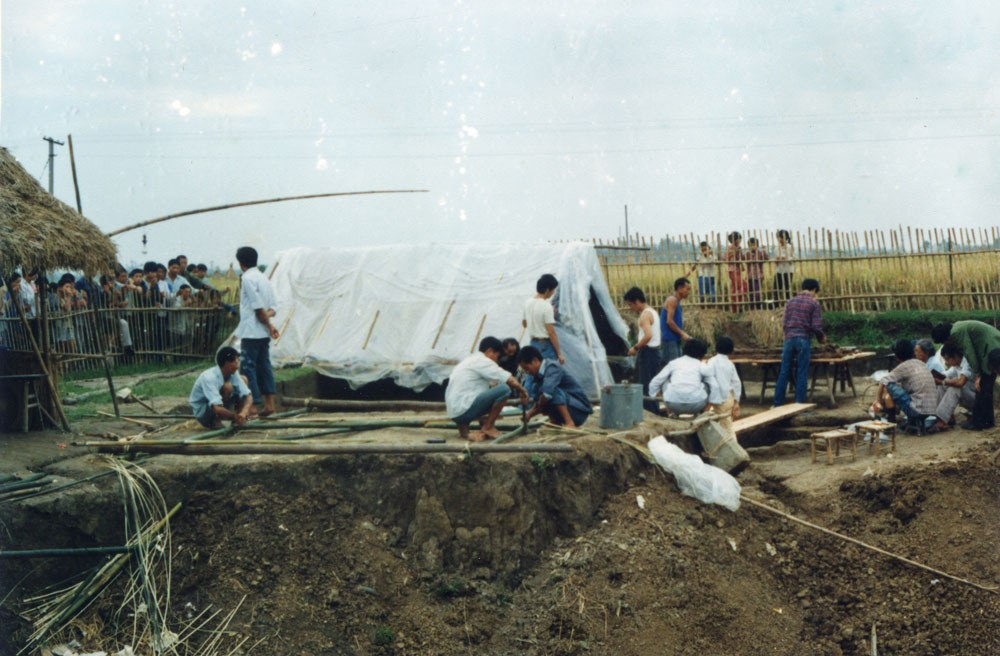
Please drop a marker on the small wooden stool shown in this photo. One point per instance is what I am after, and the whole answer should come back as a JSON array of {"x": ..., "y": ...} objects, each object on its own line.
[
  {"x": 831, "y": 439},
  {"x": 872, "y": 429}
]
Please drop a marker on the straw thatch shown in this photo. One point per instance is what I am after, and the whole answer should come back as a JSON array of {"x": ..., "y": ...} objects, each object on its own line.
[{"x": 38, "y": 231}]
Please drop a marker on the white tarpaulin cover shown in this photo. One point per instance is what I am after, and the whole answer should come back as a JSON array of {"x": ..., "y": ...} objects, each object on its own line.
[{"x": 411, "y": 312}]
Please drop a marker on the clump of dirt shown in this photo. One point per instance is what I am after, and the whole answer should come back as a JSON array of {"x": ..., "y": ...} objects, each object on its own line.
[{"x": 556, "y": 556}]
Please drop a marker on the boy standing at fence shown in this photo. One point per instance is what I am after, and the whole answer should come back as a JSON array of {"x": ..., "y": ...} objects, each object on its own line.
[
  {"x": 734, "y": 257},
  {"x": 786, "y": 268},
  {"x": 257, "y": 307},
  {"x": 705, "y": 266},
  {"x": 755, "y": 256},
  {"x": 803, "y": 319}
]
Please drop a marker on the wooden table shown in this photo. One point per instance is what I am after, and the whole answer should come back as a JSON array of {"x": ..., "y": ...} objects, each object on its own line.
[{"x": 827, "y": 371}]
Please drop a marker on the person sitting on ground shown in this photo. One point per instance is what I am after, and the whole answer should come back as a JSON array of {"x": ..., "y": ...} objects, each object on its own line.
[
  {"x": 508, "y": 358},
  {"x": 559, "y": 396},
  {"x": 909, "y": 387},
  {"x": 686, "y": 383},
  {"x": 957, "y": 388},
  {"x": 478, "y": 389},
  {"x": 221, "y": 393},
  {"x": 729, "y": 389},
  {"x": 977, "y": 341}
]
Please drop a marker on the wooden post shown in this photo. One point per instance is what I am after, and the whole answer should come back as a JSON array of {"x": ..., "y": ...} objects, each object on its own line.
[
  {"x": 53, "y": 390},
  {"x": 107, "y": 365}
]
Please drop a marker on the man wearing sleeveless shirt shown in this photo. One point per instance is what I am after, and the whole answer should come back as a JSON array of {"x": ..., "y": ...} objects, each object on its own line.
[
  {"x": 647, "y": 349},
  {"x": 672, "y": 322}
]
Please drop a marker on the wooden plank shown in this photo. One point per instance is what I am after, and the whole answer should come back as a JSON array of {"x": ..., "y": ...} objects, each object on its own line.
[{"x": 771, "y": 416}]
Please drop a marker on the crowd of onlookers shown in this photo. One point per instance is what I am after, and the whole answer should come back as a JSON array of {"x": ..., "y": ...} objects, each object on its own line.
[{"x": 125, "y": 321}]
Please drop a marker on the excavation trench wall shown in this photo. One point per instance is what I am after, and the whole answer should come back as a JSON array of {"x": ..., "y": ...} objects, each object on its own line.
[{"x": 485, "y": 516}]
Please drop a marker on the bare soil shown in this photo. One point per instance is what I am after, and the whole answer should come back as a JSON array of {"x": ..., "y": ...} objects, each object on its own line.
[{"x": 540, "y": 555}]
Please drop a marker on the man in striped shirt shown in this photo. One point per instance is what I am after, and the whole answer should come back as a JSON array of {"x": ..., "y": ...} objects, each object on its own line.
[{"x": 803, "y": 319}]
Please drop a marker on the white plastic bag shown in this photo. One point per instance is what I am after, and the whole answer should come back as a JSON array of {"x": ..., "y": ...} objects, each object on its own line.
[{"x": 704, "y": 482}]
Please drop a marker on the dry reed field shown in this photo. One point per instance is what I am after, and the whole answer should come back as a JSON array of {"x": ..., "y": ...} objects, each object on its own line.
[{"x": 878, "y": 270}]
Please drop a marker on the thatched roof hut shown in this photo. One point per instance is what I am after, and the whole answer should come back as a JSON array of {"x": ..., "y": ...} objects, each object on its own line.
[{"x": 38, "y": 231}]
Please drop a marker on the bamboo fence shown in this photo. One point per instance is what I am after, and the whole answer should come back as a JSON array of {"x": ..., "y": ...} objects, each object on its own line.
[{"x": 868, "y": 271}]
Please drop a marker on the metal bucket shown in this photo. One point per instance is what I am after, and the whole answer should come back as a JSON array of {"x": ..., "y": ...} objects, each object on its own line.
[
  {"x": 636, "y": 402},
  {"x": 618, "y": 405}
]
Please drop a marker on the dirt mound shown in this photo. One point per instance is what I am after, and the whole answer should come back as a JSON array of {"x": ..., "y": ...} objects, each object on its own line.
[{"x": 532, "y": 555}]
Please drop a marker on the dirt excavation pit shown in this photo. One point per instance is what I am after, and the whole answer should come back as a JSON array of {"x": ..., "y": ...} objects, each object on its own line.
[{"x": 545, "y": 554}]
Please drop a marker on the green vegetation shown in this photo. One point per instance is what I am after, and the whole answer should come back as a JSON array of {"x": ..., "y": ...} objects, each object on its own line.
[
  {"x": 156, "y": 388},
  {"x": 446, "y": 589},
  {"x": 881, "y": 329},
  {"x": 137, "y": 369},
  {"x": 384, "y": 636},
  {"x": 541, "y": 463}
]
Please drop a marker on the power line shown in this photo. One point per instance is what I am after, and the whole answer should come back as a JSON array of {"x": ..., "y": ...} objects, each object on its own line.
[{"x": 591, "y": 151}]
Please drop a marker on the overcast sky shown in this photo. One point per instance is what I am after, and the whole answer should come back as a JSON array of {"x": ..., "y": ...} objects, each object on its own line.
[{"x": 525, "y": 120}]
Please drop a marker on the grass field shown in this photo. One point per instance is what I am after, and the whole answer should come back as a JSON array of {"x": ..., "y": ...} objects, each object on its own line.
[{"x": 958, "y": 281}]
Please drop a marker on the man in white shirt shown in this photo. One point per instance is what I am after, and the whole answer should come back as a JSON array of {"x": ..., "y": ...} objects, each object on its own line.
[
  {"x": 539, "y": 319},
  {"x": 957, "y": 388},
  {"x": 647, "y": 349},
  {"x": 478, "y": 388},
  {"x": 729, "y": 388},
  {"x": 257, "y": 307},
  {"x": 220, "y": 392},
  {"x": 686, "y": 383}
]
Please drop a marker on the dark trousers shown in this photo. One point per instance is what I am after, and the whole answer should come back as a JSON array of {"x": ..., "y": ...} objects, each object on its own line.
[
  {"x": 648, "y": 360},
  {"x": 982, "y": 409},
  {"x": 255, "y": 364}
]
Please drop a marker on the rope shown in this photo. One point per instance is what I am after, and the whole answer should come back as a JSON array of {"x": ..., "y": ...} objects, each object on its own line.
[
  {"x": 729, "y": 438},
  {"x": 865, "y": 545}
]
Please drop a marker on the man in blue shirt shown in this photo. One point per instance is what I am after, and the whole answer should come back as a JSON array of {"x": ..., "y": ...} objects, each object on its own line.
[
  {"x": 221, "y": 393},
  {"x": 558, "y": 395}
]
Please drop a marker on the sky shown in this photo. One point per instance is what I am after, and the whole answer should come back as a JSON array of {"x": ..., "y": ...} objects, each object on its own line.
[{"x": 525, "y": 121}]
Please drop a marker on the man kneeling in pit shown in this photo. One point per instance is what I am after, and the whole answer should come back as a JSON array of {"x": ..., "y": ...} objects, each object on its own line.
[
  {"x": 221, "y": 392},
  {"x": 478, "y": 388},
  {"x": 558, "y": 396}
]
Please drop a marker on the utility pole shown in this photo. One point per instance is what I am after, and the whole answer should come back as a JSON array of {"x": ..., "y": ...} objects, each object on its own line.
[
  {"x": 627, "y": 243},
  {"x": 52, "y": 157}
]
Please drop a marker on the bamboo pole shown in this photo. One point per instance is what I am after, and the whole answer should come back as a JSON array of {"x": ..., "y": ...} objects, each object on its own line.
[
  {"x": 67, "y": 553},
  {"x": 351, "y": 405},
  {"x": 316, "y": 448},
  {"x": 217, "y": 208},
  {"x": 72, "y": 164},
  {"x": 106, "y": 358},
  {"x": 370, "y": 329}
]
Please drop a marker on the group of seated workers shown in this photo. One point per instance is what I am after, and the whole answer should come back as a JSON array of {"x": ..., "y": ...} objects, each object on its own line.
[
  {"x": 928, "y": 387},
  {"x": 478, "y": 389}
]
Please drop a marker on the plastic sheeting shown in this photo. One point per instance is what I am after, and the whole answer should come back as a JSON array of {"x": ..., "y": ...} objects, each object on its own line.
[{"x": 412, "y": 312}]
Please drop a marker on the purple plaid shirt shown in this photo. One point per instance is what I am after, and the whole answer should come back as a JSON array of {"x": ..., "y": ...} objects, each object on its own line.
[{"x": 803, "y": 317}]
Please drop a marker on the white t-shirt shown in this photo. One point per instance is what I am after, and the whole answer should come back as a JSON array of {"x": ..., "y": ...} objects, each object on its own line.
[
  {"x": 654, "y": 341},
  {"x": 470, "y": 378},
  {"x": 726, "y": 379},
  {"x": 255, "y": 294},
  {"x": 706, "y": 265},
  {"x": 685, "y": 380},
  {"x": 537, "y": 313},
  {"x": 783, "y": 254}
]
